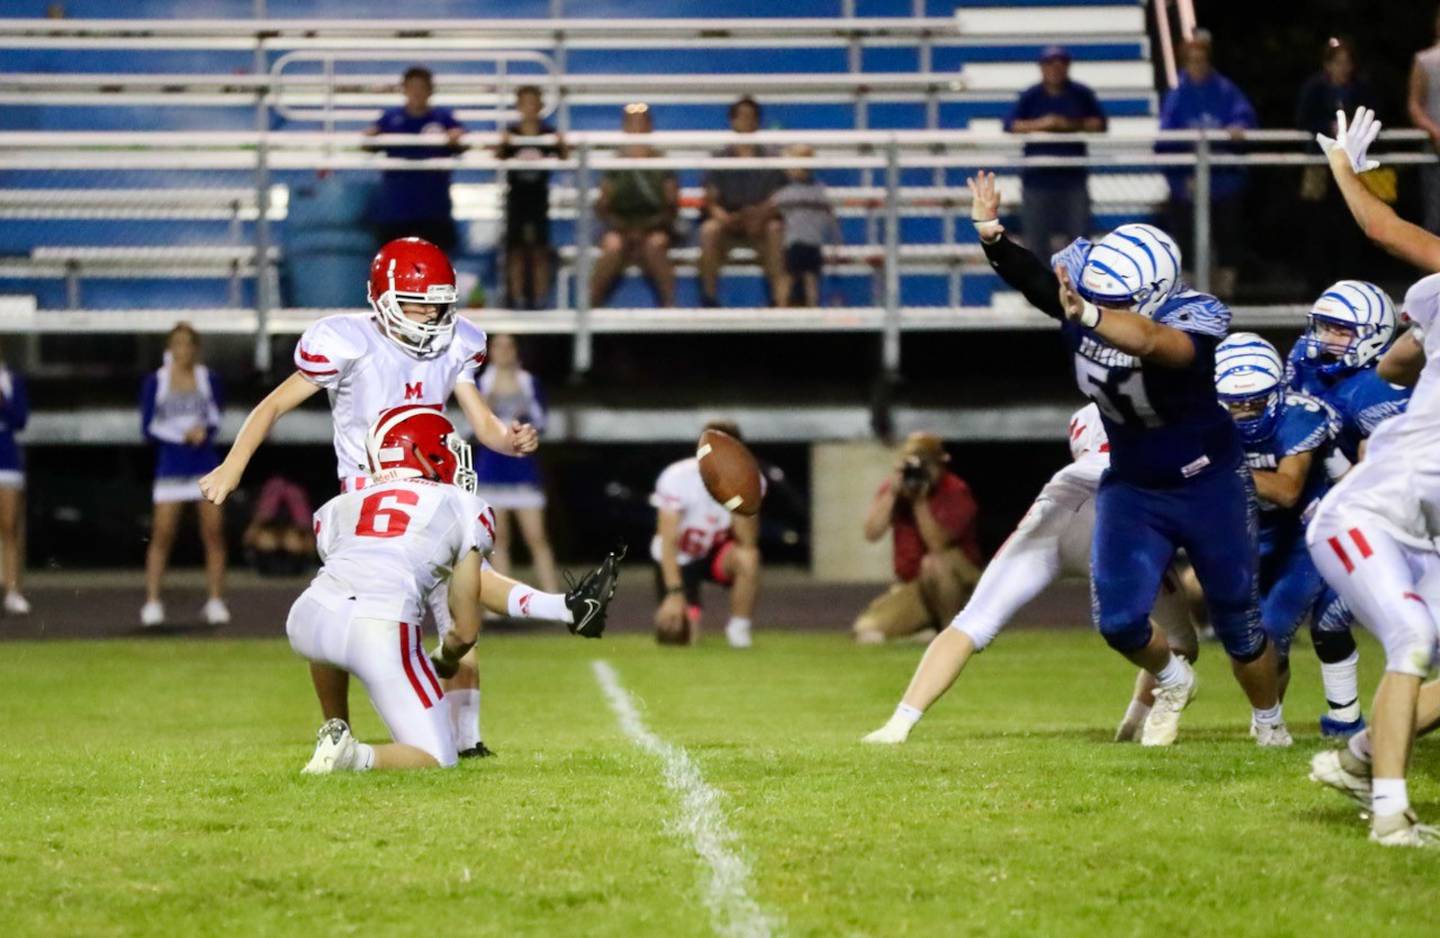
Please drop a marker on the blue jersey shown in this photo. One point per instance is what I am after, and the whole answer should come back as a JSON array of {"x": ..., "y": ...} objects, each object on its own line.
[
  {"x": 14, "y": 414},
  {"x": 1165, "y": 425},
  {"x": 410, "y": 195},
  {"x": 167, "y": 416},
  {"x": 1362, "y": 398},
  {"x": 1307, "y": 425}
]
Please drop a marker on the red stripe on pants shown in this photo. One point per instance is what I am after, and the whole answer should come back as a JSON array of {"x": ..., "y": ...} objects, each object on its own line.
[
  {"x": 1361, "y": 543},
  {"x": 425, "y": 666},
  {"x": 406, "y": 650},
  {"x": 1340, "y": 552}
]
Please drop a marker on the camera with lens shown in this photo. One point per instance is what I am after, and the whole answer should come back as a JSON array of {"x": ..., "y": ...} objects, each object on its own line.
[{"x": 914, "y": 474}]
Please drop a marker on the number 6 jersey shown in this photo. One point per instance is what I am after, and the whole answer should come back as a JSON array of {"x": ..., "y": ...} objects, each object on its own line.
[{"x": 388, "y": 545}]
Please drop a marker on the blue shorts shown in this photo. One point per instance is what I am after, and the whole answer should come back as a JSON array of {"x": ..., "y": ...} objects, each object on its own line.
[
  {"x": 1137, "y": 532},
  {"x": 1292, "y": 589}
]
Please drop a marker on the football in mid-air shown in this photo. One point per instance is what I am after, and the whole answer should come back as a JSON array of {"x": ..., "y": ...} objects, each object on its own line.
[{"x": 730, "y": 472}]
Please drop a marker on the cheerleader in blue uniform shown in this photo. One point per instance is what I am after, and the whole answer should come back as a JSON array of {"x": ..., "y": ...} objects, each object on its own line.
[
  {"x": 511, "y": 484},
  {"x": 179, "y": 415},
  {"x": 14, "y": 414}
]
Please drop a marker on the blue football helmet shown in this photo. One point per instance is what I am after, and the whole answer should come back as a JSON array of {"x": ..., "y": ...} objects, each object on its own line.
[
  {"x": 1135, "y": 265},
  {"x": 1249, "y": 380},
  {"x": 1358, "y": 308}
]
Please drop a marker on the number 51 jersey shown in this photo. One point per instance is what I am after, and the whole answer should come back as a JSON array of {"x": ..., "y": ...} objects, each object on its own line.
[{"x": 390, "y": 544}]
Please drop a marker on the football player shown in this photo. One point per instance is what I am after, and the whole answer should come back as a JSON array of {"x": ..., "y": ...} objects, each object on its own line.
[
  {"x": 1288, "y": 436},
  {"x": 385, "y": 546},
  {"x": 698, "y": 540},
  {"x": 1143, "y": 348},
  {"x": 1349, "y": 327},
  {"x": 1052, "y": 539},
  {"x": 411, "y": 348}
]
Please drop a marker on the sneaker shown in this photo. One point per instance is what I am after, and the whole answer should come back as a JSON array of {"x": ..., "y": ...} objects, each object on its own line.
[
  {"x": 152, "y": 614},
  {"x": 1271, "y": 735},
  {"x": 16, "y": 605},
  {"x": 738, "y": 635},
  {"x": 1163, "y": 723},
  {"x": 477, "y": 751},
  {"x": 891, "y": 734},
  {"x": 334, "y": 750},
  {"x": 1331, "y": 728},
  {"x": 215, "y": 612},
  {"x": 1340, "y": 770},
  {"x": 1402, "y": 830},
  {"x": 589, "y": 597}
]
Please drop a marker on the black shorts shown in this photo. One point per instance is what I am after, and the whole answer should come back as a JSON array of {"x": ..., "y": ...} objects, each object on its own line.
[
  {"x": 707, "y": 569},
  {"x": 527, "y": 224},
  {"x": 802, "y": 259}
]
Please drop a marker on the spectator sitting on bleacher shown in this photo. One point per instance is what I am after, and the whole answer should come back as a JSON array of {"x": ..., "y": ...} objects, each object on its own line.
[
  {"x": 527, "y": 204},
  {"x": 1205, "y": 99},
  {"x": 810, "y": 221},
  {"x": 414, "y": 202},
  {"x": 738, "y": 211},
  {"x": 1056, "y": 206},
  {"x": 280, "y": 538},
  {"x": 1336, "y": 87},
  {"x": 638, "y": 208}
]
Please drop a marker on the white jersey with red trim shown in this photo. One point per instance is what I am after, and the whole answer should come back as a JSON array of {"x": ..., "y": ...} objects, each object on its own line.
[
  {"x": 1087, "y": 434},
  {"x": 703, "y": 520},
  {"x": 366, "y": 373},
  {"x": 390, "y": 544}
]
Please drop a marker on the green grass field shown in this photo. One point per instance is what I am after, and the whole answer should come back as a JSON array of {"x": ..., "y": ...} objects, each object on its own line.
[{"x": 152, "y": 787}]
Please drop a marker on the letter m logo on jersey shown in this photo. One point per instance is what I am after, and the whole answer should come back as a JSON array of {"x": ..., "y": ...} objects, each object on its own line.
[{"x": 413, "y": 392}]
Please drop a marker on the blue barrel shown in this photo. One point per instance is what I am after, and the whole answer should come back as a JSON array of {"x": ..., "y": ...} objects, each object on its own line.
[{"x": 328, "y": 242}]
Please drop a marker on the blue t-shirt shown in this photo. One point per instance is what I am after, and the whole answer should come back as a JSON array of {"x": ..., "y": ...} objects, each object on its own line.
[
  {"x": 1211, "y": 104},
  {"x": 414, "y": 195},
  {"x": 1362, "y": 398},
  {"x": 1166, "y": 425},
  {"x": 1075, "y": 101},
  {"x": 1307, "y": 425}
]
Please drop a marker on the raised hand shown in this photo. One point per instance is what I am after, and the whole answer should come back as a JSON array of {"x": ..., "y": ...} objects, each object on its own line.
[{"x": 1353, "y": 138}]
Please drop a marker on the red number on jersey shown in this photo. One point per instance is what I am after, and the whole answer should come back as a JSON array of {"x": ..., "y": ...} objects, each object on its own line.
[
  {"x": 695, "y": 542},
  {"x": 395, "y": 521}
]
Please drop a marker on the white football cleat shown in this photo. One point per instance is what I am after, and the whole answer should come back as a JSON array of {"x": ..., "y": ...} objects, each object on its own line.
[
  {"x": 152, "y": 614},
  {"x": 215, "y": 612},
  {"x": 16, "y": 605},
  {"x": 1402, "y": 830},
  {"x": 1129, "y": 729},
  {"x": 1163, "y": 723},
  {"x": 738, "y": 635},
  {"x": 1332, "y": 769},
  {"x": 891, "y": 734},
  {"x": 334, "y": 750},
  {"x": 1271, "y": 735}
]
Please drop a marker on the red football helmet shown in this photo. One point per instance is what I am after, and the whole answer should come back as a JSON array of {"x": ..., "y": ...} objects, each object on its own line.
[
  {"x": 412, "y": 270},
  {"x": 419, "y": 442}
]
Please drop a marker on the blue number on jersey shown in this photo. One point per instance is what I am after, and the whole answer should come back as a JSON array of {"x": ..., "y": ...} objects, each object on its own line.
[
  {"x": 1362, "y": 398},
  {"x": 1308, "y": 425}
]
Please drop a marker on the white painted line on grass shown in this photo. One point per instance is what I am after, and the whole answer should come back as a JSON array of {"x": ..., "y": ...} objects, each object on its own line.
[{"x": 733, "y": 913}]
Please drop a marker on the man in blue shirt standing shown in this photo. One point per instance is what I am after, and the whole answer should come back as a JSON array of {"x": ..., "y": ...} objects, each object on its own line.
[
  {"x": 1207, "y": 100},
  {"x": 1056, "y": 205},
  {"x": 414, "y": 202}
]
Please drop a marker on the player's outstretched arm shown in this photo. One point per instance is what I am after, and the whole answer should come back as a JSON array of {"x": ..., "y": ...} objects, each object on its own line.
[
  {"x": 289, "y": 394},
  {"x": 1402, "y": 362},
  {"x": 518, "y": 439},
  {"x": 1348, "y": 157},
  {"x": 1130, "y": 332},
  {"x": 1018, "y": 267}
]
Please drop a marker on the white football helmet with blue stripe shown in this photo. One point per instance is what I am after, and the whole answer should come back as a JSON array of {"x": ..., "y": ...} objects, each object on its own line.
[
  {"x": 1249, "y": 380},
  {"x": 1358, "y": 308},
  {"x": 1134, "y": 265}
]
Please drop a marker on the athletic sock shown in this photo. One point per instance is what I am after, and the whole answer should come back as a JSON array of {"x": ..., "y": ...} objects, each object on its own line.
[
  {"x": 1268, "y": 716},
  {"x": 1136, "y": 713},
  {"x": 1359, "y": 746},
  {"x": 527, "y": 603},
  {"x": 1388, "y": 796},
  {"x": 738, "y": 624},
  {"x": 1341, "y": 681},
  {"x": 364, "y": 757},
  {"x": 1175, "y": 672},
  {"x": 465, "y": 717},
  {"x": 907, "y": 715}
]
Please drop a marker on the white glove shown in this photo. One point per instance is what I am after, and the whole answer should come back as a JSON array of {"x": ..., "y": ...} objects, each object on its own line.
[{"x": 1355, "y": 140}]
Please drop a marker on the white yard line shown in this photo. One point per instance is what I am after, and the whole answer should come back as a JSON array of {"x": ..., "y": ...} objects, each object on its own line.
[{"x": 733, "y": 912}]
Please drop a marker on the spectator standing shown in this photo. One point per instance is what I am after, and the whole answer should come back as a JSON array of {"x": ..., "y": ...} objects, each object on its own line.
[
  {"x": 1056, "y": 205},
  {"x": 1336, "y": 87},
  {"x": 809, "y": 222},
  {"x": 512, "y": 484},
  {"x": 14, "y": 415},
  {"x": 416, "y": 202},
  {"x": 1424, "y": 107},
  {"x": 527, "y": 203},
  {"x": 738, "y": 211},
  {"x": 281, "y": 536},
  {"x": 638, "y": 209},
  {"x": 1207, "y": 100},
  {"x": 931, "y": 515},
  {"x": 180, "y": 415}
]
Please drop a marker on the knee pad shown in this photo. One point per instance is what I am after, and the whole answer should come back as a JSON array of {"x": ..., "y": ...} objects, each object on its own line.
[
  {"x": 1332, "y": 647},
  {"x": 1126, "y": 636},
  {"x": 982, "y": 631},
  {"x": 1240, "y": 633}
]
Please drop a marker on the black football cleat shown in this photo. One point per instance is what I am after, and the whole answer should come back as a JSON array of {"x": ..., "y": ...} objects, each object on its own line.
[
  {"x": 589, "y": 598},
  {"x": 477, "y": 751}
]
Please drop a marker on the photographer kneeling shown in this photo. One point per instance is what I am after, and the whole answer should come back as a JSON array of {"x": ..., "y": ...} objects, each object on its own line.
[{"x": 937, "y": 550}]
